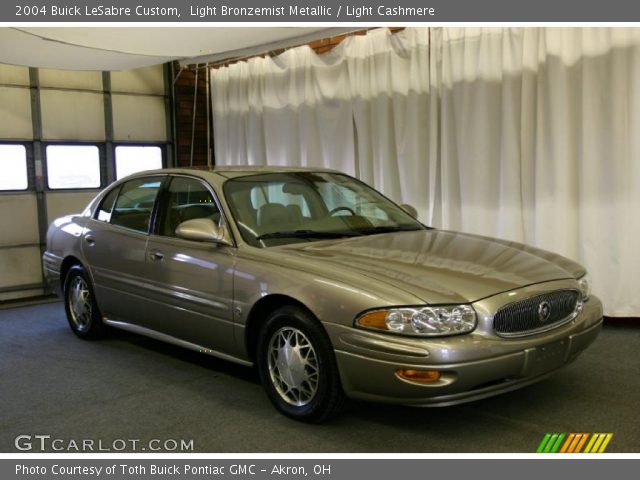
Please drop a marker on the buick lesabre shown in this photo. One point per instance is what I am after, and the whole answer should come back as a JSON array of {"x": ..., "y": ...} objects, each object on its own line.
[{"x": 330, "y": 289}]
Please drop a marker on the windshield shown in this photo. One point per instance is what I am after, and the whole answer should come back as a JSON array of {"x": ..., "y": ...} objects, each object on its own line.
[{"x": 280, "y": 208}]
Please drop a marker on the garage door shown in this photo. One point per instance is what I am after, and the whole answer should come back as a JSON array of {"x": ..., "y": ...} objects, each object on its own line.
[{"x": 63, "y": 137}]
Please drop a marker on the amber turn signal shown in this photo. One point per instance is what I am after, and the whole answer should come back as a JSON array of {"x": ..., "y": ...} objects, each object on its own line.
[
  {"x": 377, "y": 319},
  {"x": 421, "y": 376}
]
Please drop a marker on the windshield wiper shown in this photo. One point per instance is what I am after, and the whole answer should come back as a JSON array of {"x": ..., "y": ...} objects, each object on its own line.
[
  {"x": 306, "y": 234},
  {"x": 389, "y": 229}
]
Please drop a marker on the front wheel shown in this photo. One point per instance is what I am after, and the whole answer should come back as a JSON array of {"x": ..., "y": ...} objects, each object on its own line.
[
  {"x": 297, "y": 366},
  {"x": 82, "y": 311}
]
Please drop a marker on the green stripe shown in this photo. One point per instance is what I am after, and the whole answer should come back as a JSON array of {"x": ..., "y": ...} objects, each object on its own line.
[
  {"x": 544, "y": 441},
  {"x": 558, "y": 443},
  {"x": 550, "y": 443}
]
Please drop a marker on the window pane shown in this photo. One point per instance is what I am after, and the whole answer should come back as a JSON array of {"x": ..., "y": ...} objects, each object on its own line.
[
  {"x": 274, "y": 193},
  {"x": 104, "y": 212},
  {"x": 73, "y": 166},
  {"x": 135, "y": 204},
  {"x": 13, "y": 164},
  {"x": 188, "y": 199},
  {"x": 137, "y": 159},
  {"x": 278, "y": 208}
]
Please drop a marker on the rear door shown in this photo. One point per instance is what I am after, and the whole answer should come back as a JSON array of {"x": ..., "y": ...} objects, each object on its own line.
[{"x": 114, "y": 243}]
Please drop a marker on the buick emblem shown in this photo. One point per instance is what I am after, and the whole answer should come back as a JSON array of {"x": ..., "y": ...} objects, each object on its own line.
[{"x": 544, "y": 311}]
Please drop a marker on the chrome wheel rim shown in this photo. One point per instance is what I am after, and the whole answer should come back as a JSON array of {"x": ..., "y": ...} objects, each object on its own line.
[
  {"x": 80, "y": 305},
  {"x": 293, "y": 366}
]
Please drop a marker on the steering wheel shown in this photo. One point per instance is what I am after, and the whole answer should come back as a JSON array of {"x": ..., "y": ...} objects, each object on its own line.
[{"x": 338, "y": 209}]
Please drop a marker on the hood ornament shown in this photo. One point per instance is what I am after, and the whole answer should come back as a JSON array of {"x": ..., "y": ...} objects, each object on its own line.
[{"x": 544, "y": 311}]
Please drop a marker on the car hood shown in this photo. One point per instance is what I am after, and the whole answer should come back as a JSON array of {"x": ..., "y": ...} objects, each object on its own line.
[{"x": 438, "y": 266}]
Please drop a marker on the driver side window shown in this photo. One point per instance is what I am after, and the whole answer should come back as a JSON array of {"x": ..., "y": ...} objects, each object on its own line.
[{"x": 187, "y": 199}]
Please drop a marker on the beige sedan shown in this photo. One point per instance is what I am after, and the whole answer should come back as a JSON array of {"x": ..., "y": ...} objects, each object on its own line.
[{"x": 329, "y": 288}]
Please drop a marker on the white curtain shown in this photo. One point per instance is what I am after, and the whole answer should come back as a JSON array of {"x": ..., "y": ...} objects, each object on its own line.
[
  {"x": 529, "y": 134},
  {"x": 293, "y": 110}
]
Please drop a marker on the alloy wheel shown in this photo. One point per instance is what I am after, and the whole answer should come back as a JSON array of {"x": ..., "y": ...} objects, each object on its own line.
[
  {"x": 80, "y": 304},
  {"x": 293, "y": 366}
]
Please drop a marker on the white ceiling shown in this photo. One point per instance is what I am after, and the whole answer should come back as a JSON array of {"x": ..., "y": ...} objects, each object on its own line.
[{"x": 114, "y": 48}]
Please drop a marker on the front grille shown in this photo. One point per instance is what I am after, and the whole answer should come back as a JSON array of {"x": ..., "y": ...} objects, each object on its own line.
[{"x": 523, "y": 318}]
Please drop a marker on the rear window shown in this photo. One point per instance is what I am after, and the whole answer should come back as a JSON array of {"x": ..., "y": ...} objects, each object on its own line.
[
  {"x": 106, "y": 207},
  {"x": 135, "y": 203}
]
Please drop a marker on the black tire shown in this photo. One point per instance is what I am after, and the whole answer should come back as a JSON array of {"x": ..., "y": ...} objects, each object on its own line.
[
  {"x": 307, "y": 387},
  {"x": 80, "y": 305}
]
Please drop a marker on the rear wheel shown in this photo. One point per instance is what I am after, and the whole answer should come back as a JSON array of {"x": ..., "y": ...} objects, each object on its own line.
[
  {"x": 82, "y": 311},
  {"x": 297, "y": 366}
]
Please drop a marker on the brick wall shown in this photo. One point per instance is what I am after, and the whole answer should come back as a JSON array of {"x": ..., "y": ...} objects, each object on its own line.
[{"x": 184, "y": 93}]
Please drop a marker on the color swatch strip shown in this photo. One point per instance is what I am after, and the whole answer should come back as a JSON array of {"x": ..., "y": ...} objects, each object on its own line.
[{"x": 574, "y": 443}]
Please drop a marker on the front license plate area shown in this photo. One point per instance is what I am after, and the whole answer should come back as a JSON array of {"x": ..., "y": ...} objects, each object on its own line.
[{"x": 545, "y": 358}]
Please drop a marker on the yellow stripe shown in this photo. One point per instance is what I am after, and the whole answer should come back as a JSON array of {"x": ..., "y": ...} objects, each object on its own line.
[
  {"x": 584, "y": 439},
  {"x": 590, "y": 444},
  {"x": 596, "y": 446},
  {"x": 606, "y": 442},
  {"x": 567, "y": 442}
]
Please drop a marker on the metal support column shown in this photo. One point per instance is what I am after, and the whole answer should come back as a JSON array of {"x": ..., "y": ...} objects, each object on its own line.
[
  {"x": 39, "y": 165},
  {"x": 108, "y": 129}
]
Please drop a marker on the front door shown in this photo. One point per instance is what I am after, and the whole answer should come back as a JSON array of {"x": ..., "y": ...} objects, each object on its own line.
[{"x": 190, "y": 282}]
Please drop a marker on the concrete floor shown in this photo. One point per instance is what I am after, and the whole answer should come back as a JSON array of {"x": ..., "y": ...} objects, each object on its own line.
[{"x": 129, "y": 387}]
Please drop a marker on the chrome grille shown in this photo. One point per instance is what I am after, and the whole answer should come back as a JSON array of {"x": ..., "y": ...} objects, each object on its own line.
[{"x": 523, "y": 318}]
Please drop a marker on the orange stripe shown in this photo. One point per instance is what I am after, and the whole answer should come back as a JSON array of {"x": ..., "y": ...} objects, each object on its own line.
[
  {"x": 574, "y": 443},
  {"x": 580, "y": 445},
  {"x": 567, "y": 442}
]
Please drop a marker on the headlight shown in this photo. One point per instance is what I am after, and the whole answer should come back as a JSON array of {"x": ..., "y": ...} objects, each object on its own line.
[
  {"x": 421, "y": 321},
  {"x": 584, "y": 283}
]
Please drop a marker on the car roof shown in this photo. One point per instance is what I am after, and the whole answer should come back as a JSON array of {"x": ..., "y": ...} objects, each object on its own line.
[{"x": 232, "y": 171}]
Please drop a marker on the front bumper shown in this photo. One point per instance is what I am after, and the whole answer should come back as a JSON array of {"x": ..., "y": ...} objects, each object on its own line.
[{"x": 472, "y": 366}]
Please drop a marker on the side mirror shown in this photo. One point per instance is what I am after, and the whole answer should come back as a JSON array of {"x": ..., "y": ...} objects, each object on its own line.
[
  {"x": 410, "y": 209},
  {"x": 202, "y": 230}
]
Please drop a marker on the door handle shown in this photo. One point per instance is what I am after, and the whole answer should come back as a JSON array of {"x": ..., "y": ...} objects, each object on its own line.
[
  {"x": 90, "y": 239},
  {"x": 157, "y": 256}
]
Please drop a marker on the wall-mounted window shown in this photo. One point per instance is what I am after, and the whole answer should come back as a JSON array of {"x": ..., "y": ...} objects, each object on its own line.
[
  {"x": 132, "y": 159},
  {"x": 13, "y": 165},
  {"x": 73, "y": 166}
]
